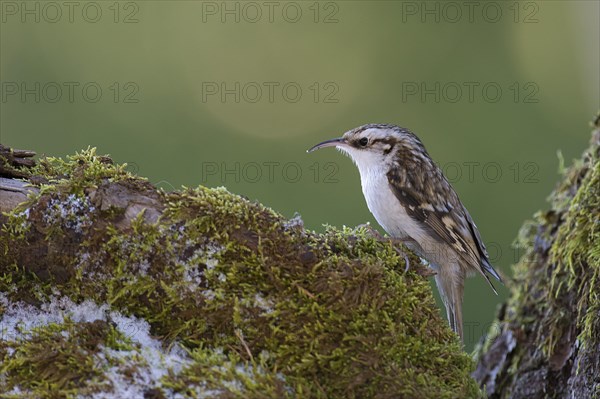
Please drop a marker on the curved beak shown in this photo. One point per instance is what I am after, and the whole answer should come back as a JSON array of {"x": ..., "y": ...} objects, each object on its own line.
[{"x": 329, "y": 143}]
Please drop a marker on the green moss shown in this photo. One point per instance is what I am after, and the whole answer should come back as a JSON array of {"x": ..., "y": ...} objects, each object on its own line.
[
  {"x": 56, "y": 358},
  {"x": 264, "y": 307},
  {"x": 551, "y": 316},
  {"x": 216, "y": 375},
  {"x": 576, "y": 254},
  {"x": 80, "y": 171},
  {"x": 568, "y": 236}
]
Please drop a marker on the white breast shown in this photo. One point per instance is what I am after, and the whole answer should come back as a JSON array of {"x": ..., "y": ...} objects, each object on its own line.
[
  {"x": 382, "y": 202},
  {"x": 386, "y": 208}
]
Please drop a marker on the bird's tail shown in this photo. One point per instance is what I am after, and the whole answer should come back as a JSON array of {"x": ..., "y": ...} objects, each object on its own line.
[
  {"x": 450, "y": 284},
  {"x": 486, "y": 267}
]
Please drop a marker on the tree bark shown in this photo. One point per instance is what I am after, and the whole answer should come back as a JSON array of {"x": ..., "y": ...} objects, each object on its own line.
[
  {"x": 547, "y": 344},
  {"x": 12, "y": 163}
]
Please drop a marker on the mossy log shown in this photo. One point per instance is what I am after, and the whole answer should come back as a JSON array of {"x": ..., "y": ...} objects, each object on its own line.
[
  {"x": 110, "y": 286},
  {"x": 548, "y": 342}
]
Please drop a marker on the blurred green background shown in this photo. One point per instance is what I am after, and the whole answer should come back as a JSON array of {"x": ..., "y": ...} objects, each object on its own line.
[{"x": 233, "y": 93}]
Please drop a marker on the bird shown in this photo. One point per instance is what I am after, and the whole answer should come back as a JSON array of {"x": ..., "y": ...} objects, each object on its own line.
[{"x": 412, "y": 200}]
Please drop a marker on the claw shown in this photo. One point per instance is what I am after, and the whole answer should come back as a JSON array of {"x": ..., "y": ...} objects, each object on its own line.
[
  {"x": 394, "y": 242},
  {"x": 404, "y": 255}
]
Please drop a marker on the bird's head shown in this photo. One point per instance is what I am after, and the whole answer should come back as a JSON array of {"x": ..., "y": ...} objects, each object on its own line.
[{"x": 374, "y": 144}]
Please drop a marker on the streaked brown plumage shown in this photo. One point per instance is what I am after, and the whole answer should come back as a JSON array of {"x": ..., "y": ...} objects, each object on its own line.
[{"x": 414, "y": 202}]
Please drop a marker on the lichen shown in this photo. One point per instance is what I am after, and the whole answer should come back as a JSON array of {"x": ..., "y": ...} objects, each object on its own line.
[
  {"x": 261, "y": 306},
  {"x": 567, "y": 237},
  {"x": 550, "y": 322}
]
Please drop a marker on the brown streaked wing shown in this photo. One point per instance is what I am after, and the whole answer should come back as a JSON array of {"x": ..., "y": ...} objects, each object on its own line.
[{"x": 442, "y": 218}]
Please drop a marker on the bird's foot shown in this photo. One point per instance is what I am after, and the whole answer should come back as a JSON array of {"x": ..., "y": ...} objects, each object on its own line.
[
  {"x": 419, "y": 268},
  {"x": 400, "y": 252},
  {"x": 400, "y": 241}
]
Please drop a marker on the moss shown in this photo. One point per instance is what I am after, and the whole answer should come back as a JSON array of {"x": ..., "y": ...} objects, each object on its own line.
[
  {"x": 550, "y": 321},
  {"x": 264, "y": 307},
  {"x": 216, "y": 375},
  {"x": 576, "y": 253},
  {"x": 565, "y": 237},
  {"x": 55, "y": 360},
  {"x": 80, "y": 171}
]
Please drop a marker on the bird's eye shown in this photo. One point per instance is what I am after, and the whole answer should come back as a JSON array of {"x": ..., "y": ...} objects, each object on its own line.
[{"x": 363, "y": 142}]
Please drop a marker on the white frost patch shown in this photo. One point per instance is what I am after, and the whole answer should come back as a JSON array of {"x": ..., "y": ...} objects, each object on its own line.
[
  {"x": 155, "y": 364},
  {"x": 71, "y": 213},
  {"x": 24, "y": 216},
  {"x": 20, "y": 318},
  {"x": 193, "y": 270},
  {"x": 294, "y": 223},
  {"x": 209, "y": 294},
  {"x": 151, "y": 361},
  {"x": 194, "y": 276},
  {"x": 263, "y": 303},
  {"x": 206, "y": 253}
]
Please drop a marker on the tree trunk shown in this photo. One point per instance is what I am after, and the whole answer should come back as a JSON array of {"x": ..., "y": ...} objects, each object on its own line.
[{"x": 547, "y": 340}]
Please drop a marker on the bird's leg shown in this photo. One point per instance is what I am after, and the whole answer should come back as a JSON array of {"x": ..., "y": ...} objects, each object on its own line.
[{"x": 416, "y": 248}]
